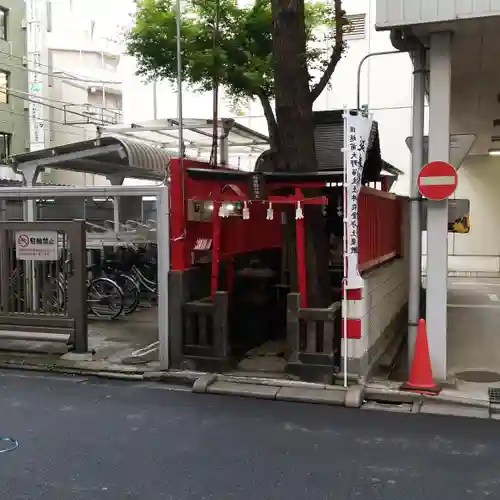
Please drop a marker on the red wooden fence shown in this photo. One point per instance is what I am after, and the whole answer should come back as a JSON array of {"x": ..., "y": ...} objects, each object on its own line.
[{"x": 380, "y": 227}]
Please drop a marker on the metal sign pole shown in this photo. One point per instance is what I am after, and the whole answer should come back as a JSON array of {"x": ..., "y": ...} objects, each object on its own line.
[
  {"x": 415, "y": 247},
  {"x": 179, "y": 82}
]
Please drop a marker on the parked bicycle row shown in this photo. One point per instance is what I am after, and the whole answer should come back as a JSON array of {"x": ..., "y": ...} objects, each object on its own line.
[
  {"x": 123, "y": 281},
  {"x": 119, "y": 282}
]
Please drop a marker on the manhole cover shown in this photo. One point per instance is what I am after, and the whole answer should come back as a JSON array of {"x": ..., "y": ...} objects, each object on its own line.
[{"x": 479, "y": 376}]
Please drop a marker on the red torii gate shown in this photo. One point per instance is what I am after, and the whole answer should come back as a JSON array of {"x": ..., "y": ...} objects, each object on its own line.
[
  {"x": 297, "y": 198},
  {"x": 220, "y": 186}
]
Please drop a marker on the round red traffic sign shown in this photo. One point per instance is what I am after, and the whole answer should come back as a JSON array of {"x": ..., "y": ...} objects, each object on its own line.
[{"x": 437, "y": 180}]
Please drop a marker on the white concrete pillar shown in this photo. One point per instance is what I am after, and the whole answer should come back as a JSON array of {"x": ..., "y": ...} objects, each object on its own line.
[
  {"x": 116, "y": 180},
  {"x": 437, "y": 211}
]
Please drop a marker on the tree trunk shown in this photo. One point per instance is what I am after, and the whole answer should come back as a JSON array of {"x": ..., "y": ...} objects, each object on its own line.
[
  {"x": 296, "y": 132},
  {"x": 272, "y": 126}
]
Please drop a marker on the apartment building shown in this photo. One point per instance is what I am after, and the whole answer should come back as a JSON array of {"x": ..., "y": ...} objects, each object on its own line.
[
  {"x": 83, "y": 85},
  {"x": 14, "y": 130}
]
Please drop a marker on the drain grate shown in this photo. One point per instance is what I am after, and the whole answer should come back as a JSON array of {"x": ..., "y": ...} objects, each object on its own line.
[
  {"x": 478, "y": 376},
  {"x": 494, "y": 395}
]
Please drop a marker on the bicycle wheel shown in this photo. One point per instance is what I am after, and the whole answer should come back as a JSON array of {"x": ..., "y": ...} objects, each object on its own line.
[
  {"x": 104, "y": 298},
  {"x": 130, "y": 291}
]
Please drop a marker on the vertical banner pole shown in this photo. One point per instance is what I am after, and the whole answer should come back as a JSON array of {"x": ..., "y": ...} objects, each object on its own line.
[
  {"x": 357, "y": 140},
  {"x": 216, "y": 242},
  {"x": 344, "y": 280}
]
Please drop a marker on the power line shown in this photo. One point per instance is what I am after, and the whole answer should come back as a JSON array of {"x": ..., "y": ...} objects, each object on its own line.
[
  {"x": 53, "y": 68},
  {"x": 58, "y": 100},
  {"x": 10, "y": 112},
  {"x": 44, "y": 119},
  {"x": 60, "y": 77},
  {"x": 10, "y": 93},
  {"x": 28, "y": 60},
  {"x": 35, "y": 100}
]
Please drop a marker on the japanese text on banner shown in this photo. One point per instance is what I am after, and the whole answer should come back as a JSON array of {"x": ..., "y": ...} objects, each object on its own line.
[{"x": 358, "y": 130}]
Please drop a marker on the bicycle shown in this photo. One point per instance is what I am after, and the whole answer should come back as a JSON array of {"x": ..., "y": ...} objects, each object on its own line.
[{"x": 105, "y": 298}]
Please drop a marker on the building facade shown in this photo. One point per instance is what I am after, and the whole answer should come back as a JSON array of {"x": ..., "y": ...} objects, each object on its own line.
[
  {"x": 14, "y": 133},
  {"x": 84, "y": 89},
  {"x": 456, "y": 43}
]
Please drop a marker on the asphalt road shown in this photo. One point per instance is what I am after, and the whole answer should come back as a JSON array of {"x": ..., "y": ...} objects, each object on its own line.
[{"x": 90, "y": 440}]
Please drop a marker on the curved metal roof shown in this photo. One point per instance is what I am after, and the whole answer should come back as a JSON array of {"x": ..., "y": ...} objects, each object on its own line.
[
  {"x": 144, "y": 155},
  {"x": 109, "y": 155}
]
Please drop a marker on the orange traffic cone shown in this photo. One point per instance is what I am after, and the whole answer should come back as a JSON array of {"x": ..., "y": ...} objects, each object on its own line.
[{"x": 421, "y": 371}]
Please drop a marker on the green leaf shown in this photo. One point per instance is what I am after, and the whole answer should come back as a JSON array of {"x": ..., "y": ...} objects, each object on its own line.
[{"x": 242, "y": 61}]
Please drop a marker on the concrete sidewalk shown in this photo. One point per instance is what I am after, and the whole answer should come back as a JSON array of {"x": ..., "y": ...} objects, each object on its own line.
[{"x": 383, "y": 395}]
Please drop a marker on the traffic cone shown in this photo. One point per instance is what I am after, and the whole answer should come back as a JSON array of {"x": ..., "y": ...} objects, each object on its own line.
[{"x": 421, "y": 371}]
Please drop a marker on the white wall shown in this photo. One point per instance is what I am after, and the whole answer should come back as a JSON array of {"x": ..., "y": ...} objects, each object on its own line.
[
  {"x": 386, "y": 86},
  {"x": 64, "y": 134},
  {"x": 75, "y": 21},
  {"x": 479, "y": 250},
  {"x": 394, "y": 13},
  {"x": 67, "y": 97}
]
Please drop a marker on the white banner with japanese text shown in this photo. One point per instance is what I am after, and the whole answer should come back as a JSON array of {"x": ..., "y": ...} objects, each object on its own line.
[{"x": 357, "y": 130}]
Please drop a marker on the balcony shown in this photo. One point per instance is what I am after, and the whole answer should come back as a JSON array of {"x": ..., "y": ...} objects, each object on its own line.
[{"x": 88, "y": 114}]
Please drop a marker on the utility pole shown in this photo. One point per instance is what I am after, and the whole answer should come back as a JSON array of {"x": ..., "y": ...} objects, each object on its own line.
[{"x": 417, "y": 161}]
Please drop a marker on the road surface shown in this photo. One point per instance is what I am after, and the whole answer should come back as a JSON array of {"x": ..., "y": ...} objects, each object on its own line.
[{"x": 91, "y": 440}]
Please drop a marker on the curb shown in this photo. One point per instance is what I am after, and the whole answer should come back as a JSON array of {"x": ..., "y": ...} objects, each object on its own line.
[
  {"x": 73, "y": 371},
  {"x": 280, "y": 390},
  {"x": 355, "y": 396},
  {"x": 388, "y": 395},
  {"x": 186, "y": 378}
]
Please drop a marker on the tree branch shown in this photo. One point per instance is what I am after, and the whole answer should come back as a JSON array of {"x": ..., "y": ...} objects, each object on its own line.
[
  {"x": 338, "y": 48},
  {"x": 272, "y": 125}
]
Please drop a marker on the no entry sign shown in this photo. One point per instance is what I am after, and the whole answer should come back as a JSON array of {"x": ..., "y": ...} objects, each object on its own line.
[{"x": 437, "y": 180}]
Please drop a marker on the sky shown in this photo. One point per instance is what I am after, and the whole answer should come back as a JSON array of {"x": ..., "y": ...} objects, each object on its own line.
[{"x": 110, "y": 15}]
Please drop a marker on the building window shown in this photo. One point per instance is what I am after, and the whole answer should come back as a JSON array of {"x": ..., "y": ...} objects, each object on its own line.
[
  {"x": 4, "y": 87},
  {"x": 4, "y": 147},
  {"x": 355, "y": 29},
  {"x": 3, "y": 23}
]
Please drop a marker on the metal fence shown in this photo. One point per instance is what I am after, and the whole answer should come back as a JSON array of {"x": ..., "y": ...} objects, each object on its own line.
[
  {"x": 43, "y": 282},
  {"x": 45, "y": 301}
]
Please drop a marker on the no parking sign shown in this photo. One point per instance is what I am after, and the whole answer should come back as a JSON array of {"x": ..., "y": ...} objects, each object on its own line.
[{"x": 36, "y": 245}]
